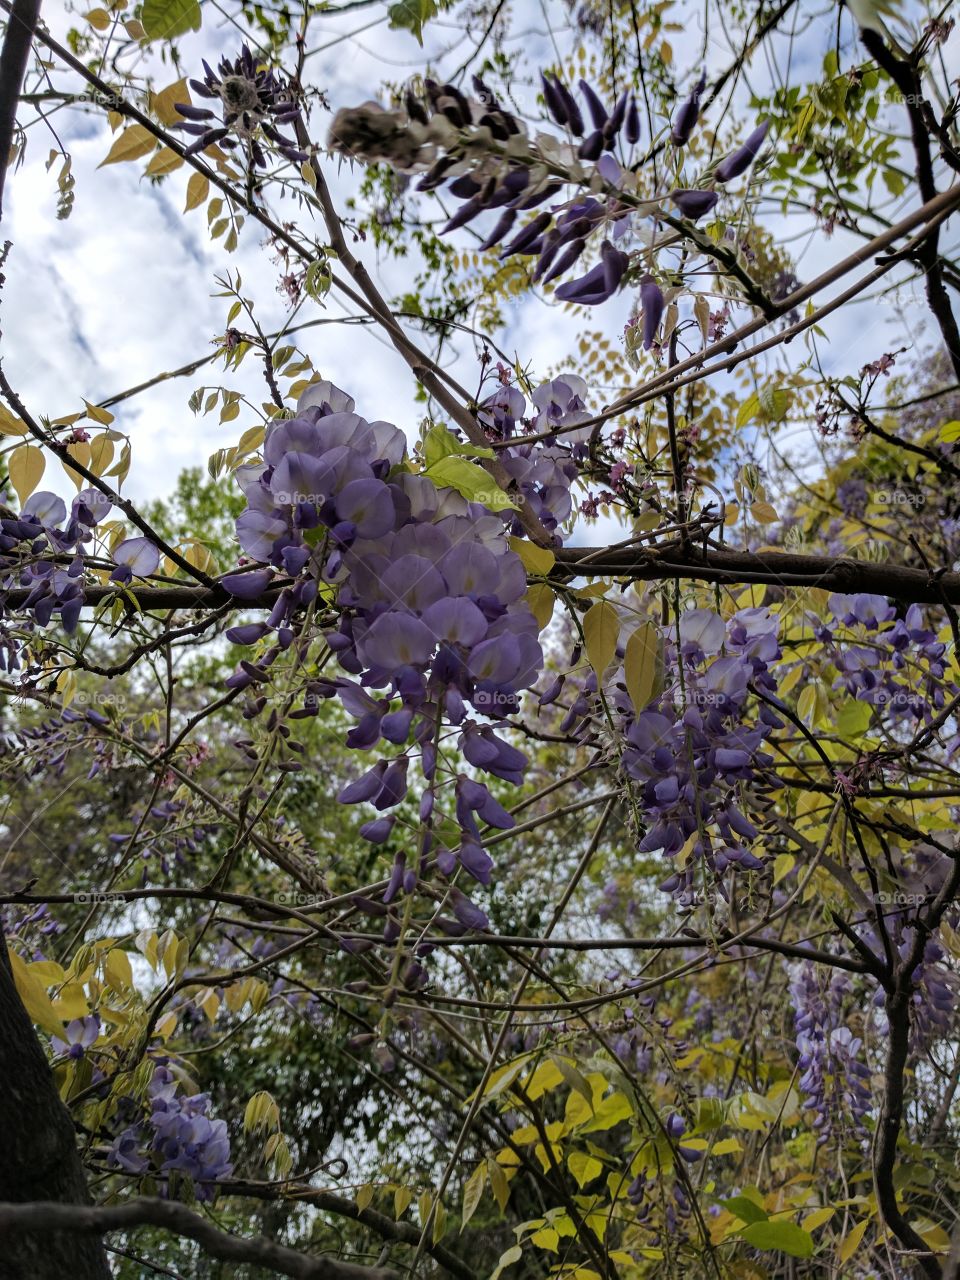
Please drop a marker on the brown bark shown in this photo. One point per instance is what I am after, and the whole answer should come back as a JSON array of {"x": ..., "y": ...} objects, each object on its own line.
[{"x": 39, "y": 1159}]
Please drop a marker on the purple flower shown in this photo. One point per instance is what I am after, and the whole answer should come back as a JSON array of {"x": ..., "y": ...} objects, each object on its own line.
[
  {"x": 651, "y": 301},
  {"x": 694, "y": 203},
  {"x": 249, "y": 585},
  {"x": 600, "y": 283},
  {"x": 80, "y": 1034},
  {"x": 743, "y": 157},
  {"x": 687, "y": 115}
]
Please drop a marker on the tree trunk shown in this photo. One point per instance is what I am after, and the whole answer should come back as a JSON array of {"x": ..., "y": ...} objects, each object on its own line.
[{"x": 39, "y": 1159}]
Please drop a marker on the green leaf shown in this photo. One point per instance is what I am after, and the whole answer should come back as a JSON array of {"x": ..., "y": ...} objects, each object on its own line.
[
  {"x": 853, "y": 718},
  {"x": 744, "y": 1208},
  {"x": 441, "y": 443},
  {"x": 165, "y": 19},
  {"x": 470, "y": 480},
  {"x": 950, "y": 432},
  {"x": 601, "y": 627},
  {"x": 574, "y": 1078},
  {"x": 411, "y": 15},
  {"x": 784, "y": 1237}
]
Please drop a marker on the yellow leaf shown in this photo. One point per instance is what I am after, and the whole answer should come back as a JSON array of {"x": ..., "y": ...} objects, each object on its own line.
[
  {"x": 365, "y": 1197},
  {"x": 131, "y": 145},
  {"x": 117, "y": 968},
  {"x": 764, "y": 513},
  {"x": 783, "y": 864},
  {"x": 9, "y": 425},
  {"x": 101, "y": 454},
  {"x": 583, "y": 1167},
  {"x": 541, "y": 600},
  {"x": 538, "y": 560},
  {"x": 728, "y": 1147},
  {"x": 165, "y": 1027},
  {"x": 499, "y": 1184},
  {"x": 164, "y": 103},
  {"x": 80, "y": 452},
  {"x": 71, "y": 1002},
  {"x": 165, "y": 161},
  {"x": 851, "y": 1241},
  {"x": 35, "y": 999},
  {"x": 472, "y": 1194},
  {"x": 401, "y": 1201},
  {"x": 818, "y": 1218},
  {"x": 198, "y": 188},
  {"x": 601, "y": 627},
  {"x": 47, "y": 972},
  {"x": 546, "y": 1238},
  {"x": 640, "y": 665},
  {"x": 26, "y": 467},
  {"x": 99, "y": 19},
  {"x": 98, "y": 414}
]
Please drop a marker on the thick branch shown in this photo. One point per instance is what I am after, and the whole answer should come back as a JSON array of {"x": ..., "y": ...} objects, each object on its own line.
[
  {"x": 779, "y": 568},
  {"x": 39, "y": 1156},
  {"x": 42, "y": 1217},
  {"x": 21, "y": 26}
]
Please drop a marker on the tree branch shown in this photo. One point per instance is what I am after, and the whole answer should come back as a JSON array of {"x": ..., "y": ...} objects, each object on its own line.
[
  {"x": 24, "y": 16},
  {"x": 41, "y": 1217}
]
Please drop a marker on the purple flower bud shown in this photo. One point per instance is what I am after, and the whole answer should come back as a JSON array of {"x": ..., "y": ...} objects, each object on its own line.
[
  {"x": 522, "y": 241},
  {"x": 574, "y": 118},
  {"x": 598, "y": 112},
  {"x": 247, "y": 586},
  {"x": 249, "y": 633},
  {"x": 503, "y": 228},
  {"x": 464, "y": 214},
  {"x": 651, "y": 300},
  {"x": 694, "y": 204},
  {"x": 599, "y": 284},
  {"x": 688, "y": 114},
  {"x": 467, "y": 912},
  {"x": 554, "y": 100},
  {"x": 592, "y": 146},
  {"x": 743, "y": 158},
  {"x": 632, "y": 125},
  {"x": 565, "y": 261}
]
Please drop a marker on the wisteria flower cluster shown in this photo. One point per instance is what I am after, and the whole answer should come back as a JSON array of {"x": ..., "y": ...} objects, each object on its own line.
[
  {"x": 176, "y": 1137},
  {"x": 700, "y": 746},
  {"x": 484, "y": 154},
  {"x": 835, "y": 1079},
  {"x": 254, "y": 100},
  {"x": 35, "y": 545},
  {"x": 896, "y": 663},
  {"x": 432, "y": 617}
]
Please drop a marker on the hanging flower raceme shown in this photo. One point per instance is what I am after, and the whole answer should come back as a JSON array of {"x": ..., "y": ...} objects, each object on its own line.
[
  {"x": 835, "y": 1079},
  {"x": 695, "y": 751},
  {"x": 255, "y": 101},
  {"x": 894, "y": 664},
  {"x": 43, "y": 553},
  {"x": 430, "y": 598},
  {"x": 175, "y": 1138}
]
